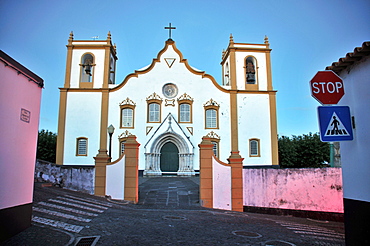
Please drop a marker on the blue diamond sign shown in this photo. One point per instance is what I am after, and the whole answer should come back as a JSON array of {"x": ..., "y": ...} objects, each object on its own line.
[{"x": 335, "y": 123}]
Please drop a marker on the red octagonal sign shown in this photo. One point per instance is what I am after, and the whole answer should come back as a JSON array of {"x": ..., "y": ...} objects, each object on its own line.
[{"x": 327, "y": 87}]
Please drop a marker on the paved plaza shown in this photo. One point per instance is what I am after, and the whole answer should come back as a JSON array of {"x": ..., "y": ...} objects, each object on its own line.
[{"x": 168, "y": 213}]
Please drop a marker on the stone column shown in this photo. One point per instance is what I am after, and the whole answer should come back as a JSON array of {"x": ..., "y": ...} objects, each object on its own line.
[
  {"x": 236, "y": 162},
  {"x": 131, "y": 169},
  {"x": 206, "y": 179}
]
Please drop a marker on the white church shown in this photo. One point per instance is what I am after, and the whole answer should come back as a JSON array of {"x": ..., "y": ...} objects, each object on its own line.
[{"x": 169, "y": 106}]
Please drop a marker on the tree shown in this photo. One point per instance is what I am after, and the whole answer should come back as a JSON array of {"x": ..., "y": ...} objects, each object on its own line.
[
  {"x": 303, "y": 151},
  {"x": 46, "y": 146}
]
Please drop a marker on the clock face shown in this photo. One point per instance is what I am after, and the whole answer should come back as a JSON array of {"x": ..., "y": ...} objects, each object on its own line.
[{"x": 169, "y": 90}]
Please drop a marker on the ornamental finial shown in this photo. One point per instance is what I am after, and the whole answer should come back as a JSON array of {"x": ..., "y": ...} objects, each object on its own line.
[{"x": 266, "y": 39}]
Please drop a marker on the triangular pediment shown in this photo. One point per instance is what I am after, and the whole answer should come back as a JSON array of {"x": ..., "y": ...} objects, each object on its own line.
[{"x": 169, "y": 128}]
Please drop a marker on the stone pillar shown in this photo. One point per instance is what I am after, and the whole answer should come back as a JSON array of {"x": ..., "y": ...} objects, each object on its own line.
[
  {"x": 206, "y": 177},
  {"x": 131, "y": 169},
  {"x": 101, "y": 161},
  {"x": 236, "y": 162}
]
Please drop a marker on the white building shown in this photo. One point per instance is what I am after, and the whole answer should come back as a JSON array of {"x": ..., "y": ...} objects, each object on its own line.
[
  {"x": 354, "y": 69},
  {"x": 169, "y": 106}
]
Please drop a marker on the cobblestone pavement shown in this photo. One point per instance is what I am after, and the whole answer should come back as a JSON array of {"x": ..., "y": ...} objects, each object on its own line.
[{"x": 63, "y": 217}]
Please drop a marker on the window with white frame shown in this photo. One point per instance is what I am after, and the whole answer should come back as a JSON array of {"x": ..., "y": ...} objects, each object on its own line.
[
  {"x": 81, "y": 148},
  {"x": 127, "y": 117},
  {"x": 154, "y": 112},
  {"x": 185, "y": 112},
  {"x": 211, "y": 118}
]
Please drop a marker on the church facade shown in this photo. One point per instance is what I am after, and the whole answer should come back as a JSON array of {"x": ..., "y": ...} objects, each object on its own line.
[{"x": 169, "y": 106}]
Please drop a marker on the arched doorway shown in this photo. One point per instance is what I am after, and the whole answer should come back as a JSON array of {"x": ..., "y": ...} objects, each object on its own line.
[{"x": 169, "y": 160}]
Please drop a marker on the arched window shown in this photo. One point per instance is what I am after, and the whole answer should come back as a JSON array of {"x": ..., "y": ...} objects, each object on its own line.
[
  {"x": 227, "y": 75},
  {"x": 154, "y": 112},
  {"x": 127, "y": 107},
  {"x": 154, "y": 102},
  {"x": 87, "y": 68},
  {"x": 185, "y": 108},
  {"x": 184, "y": 112},
  {"x": 81, "y": 146},
  {"x": 127, "y": 117},
  {"x": 215, "y": 148},
  {"x": 211, "y": 114},
  {"x": 250, "y": 70},
  {"x": 254, "y": 148},
  {"x": 111, "y": 71},
  {"x": 211, "y": 118}
]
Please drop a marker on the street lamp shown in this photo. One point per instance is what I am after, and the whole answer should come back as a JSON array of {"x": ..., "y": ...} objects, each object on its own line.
[{"x": 110, "y": 131}]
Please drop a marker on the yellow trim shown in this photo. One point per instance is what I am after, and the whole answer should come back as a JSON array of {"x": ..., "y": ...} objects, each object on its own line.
[
  {"x": 61, "y": 126},
  {"x": 268, "y": 70},
  {"x": 157, "y": 60},
  {"x": 67, "y": 80},
  {"x": 234, "y": 121},
  {"x": 274, "y": 134},
  {"x": 77, "y": 146},
  {"x": 104, "y": 120}
]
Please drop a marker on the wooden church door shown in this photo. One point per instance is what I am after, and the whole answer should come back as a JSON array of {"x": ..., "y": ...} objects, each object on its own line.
[{"x": 169, "y": 158}]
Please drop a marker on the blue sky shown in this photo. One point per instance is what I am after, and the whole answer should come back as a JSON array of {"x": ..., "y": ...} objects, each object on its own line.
[{"x": 305, "y": 37}]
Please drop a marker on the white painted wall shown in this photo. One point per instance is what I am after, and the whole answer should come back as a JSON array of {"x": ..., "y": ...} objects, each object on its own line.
[
  {"x": 82, "y": 120},
  {"x": 355, "y": 155},
  {"x": 221, "y": 185},
  {"x": 258, "y": 126},
  {"x": 115, "y": 179}
]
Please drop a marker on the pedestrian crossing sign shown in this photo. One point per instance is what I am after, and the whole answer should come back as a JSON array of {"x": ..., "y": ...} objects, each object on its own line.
[{"x": 335, "y": 123}]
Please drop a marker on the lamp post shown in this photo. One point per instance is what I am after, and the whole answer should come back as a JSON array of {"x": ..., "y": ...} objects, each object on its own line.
[{"x": 110, "y": 132}]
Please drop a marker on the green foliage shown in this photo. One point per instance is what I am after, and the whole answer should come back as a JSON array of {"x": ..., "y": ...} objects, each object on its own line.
[
  {"x": 46, "y": 146},
  {"x": 303, "y": 151}
]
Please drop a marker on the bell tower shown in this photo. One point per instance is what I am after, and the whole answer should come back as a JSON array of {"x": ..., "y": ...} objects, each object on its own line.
[
  {"x": 247, "y": 66},
  {"x": 90, "y": 63}
]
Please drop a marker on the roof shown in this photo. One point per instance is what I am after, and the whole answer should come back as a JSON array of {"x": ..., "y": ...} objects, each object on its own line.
[
  {"x": 351, "y": 58},
  {"x": 21, "y": 69}
]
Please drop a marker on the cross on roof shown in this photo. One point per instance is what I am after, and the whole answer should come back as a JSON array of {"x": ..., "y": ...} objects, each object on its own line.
[{"x": 170, "y": 28}]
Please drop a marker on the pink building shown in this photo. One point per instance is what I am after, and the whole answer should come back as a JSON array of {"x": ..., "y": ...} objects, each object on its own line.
[{"x": 20, "y": 97}]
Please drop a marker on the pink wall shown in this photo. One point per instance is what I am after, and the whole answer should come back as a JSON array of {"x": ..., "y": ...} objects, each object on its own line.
[
  {"x": 18, "y": 138},
  {"x": 313, "y": 189},
  {"x": 221, "y": 184}
]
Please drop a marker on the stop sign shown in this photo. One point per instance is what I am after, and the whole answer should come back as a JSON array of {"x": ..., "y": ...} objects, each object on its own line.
[{"x": 327, "y": 87}]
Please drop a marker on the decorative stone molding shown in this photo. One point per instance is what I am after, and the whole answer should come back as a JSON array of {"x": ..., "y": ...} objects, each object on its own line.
[
  {"x": 127, "y": 101},
  {"x": 213, "y": 135},
  {"x": 125, "y": 134},
  {"x": 154, "y": 96},
  {"x": 211, "y": 102},
  {"x": 185, "y": 97}
]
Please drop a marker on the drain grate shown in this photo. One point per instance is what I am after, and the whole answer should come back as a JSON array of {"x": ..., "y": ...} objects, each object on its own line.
[
  {"x": 247, "y": 234},
  {"x": 87, "y": 241}
]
